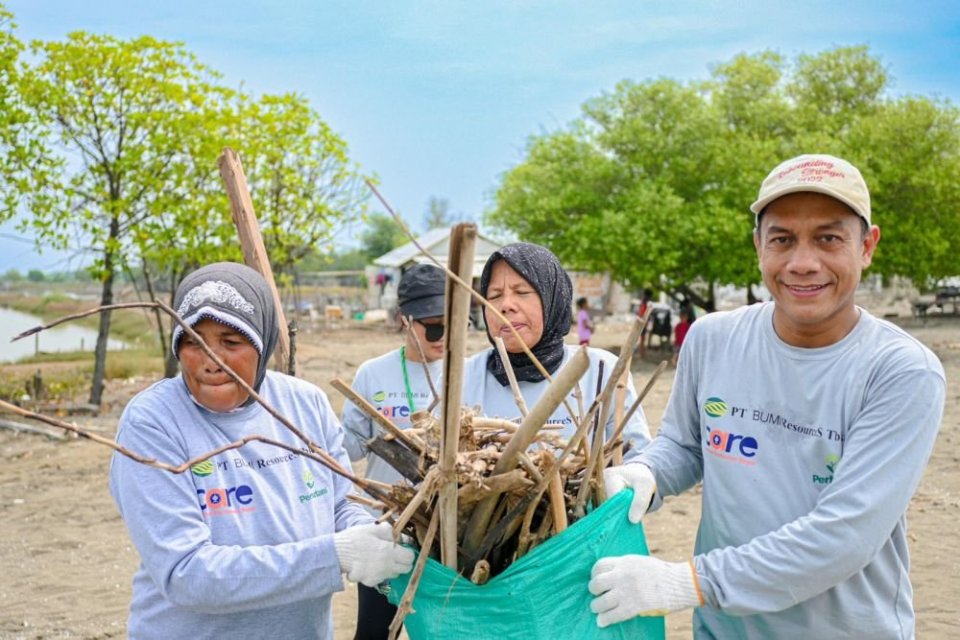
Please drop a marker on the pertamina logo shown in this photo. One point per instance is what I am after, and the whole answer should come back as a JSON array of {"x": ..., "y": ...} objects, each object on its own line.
[
  {"x": 310, "y": 481},
  {"x": 226, "y": 501},
  {"x": 830, "y": 462}
]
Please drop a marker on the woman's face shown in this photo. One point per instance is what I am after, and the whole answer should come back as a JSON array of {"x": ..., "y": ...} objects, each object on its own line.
[
  {"x": 519, "y": 302},
  {"x": 423, "y": 329},
  {"x": 209, "y": 384}
]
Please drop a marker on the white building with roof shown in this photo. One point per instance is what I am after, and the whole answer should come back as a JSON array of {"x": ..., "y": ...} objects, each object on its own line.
[{"x": 385, "y": 272}]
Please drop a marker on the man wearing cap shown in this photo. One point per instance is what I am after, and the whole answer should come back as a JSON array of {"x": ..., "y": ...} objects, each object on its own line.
[
  {"x": 809, "y": 422},
  {"x": 396, "y": 383}
]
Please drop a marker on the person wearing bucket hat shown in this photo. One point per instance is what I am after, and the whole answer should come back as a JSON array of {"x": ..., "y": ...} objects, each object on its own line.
[
  {"x": 809, "y": 422},
  {"x": 255, "y": 540},
  {"x": 398, "y": 385}
]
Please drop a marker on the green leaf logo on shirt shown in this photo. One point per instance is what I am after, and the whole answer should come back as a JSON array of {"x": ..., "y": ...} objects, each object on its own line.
[
  {"x": 380, "y": 396},
  {"x": 715, "y": 407},
  {"x": 308, "y": 478},
  {"x": 832, "y": 461},
  {"x": 202, "y": 469}
]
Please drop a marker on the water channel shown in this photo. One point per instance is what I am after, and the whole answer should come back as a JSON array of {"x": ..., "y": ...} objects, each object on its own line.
[{"x": 66, "y": 337}]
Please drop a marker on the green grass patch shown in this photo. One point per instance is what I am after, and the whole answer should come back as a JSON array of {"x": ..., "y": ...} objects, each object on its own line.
[
  {"x": 69, "y": 375},
  {"x": 131, "y": 363}
]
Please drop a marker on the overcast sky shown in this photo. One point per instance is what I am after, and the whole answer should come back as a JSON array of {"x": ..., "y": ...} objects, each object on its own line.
[{"x": 439, "y": 98}]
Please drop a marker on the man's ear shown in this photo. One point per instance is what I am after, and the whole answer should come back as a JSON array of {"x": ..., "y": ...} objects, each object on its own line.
[{"x": 870, "y": 241}]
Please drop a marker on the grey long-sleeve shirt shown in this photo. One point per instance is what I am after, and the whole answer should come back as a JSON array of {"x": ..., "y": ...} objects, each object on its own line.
[
  {"x": 240, "y": 546},
  {"x": 809, "y": 458}
]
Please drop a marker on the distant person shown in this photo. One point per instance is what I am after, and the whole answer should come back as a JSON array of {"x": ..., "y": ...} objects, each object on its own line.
[
  {"x": 254, "y": 541},
  {"x": 809, "y": 422},
  {"x": 584, "y": 324},
  {"x": 646, "y": 302},
  {"x": 680, "y": 331},
  {"x": 396, "y": 384}
]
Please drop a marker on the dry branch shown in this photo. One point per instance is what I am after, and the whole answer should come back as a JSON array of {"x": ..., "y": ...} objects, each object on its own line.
[{"x": 251, "y": 243}]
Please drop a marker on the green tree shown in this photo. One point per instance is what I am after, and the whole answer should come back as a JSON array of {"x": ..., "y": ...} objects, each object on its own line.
[
  {"x": 303, "y": 184},
  {"x": 438, "y": 214},
  {"x": 112, "y": 108},
  {"x": 909, "y": 151},
  {"x": 382, "y": 235},
  {"x": 652, "y": 183},
  {"x": 22, "y": 152},
  {"x": 35, "y": 275}
]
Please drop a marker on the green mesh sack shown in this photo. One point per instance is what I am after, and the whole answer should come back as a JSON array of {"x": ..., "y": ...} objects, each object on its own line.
[{"x": 543, "y": 595}]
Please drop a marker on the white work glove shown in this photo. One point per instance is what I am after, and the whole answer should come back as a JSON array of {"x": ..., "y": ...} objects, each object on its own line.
[
  {"x": 628, "y": 586},
  {"x": 368, "y": 555},
  {"x": 634, "y": 476}
]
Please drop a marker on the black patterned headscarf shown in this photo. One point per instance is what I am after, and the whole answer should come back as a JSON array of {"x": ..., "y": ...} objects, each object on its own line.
[
  {"x": 237, "y": 296},
  {"x": 538, "y": 266}
]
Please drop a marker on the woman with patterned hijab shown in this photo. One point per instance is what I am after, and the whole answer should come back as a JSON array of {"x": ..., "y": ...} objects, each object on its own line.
[
  {"x": 529, "y": 287},
  {"x": 254, "y": 541}
]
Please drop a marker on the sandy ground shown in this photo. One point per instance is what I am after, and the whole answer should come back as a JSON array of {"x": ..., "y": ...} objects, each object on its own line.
[{"x": 67, "y": 561}]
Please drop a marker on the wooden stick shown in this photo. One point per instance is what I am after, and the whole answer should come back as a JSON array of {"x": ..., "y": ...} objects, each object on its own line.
[
  {"x": 409, "y": 439},
  {"x": 408, "y": 328},
  {"x": 636, "y": 403},
  {"x": 568, "y": 376},
  {"x": 511, "y": 376},
  {"x": 424, "y": 494},
  {"x": 558, "y": 505},
  {"x": 82, "y": 314},
  {"x": 457, "y": 317},
  {"x": 597, "y": 453},
  {"x": 402, "y": 459},
  {"x": 599, "y": 427},
  {"x": 251, "y": 242},
  {"x": 408, "y": 594},
  {"x": 620, "y": 400}
]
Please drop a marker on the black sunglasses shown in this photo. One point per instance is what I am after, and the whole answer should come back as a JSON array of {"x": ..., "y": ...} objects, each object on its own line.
[{"x": 432, "y": 332}]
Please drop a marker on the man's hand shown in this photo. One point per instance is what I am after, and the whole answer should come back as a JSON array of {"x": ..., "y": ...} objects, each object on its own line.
[
  {"x": 368, "y": 555},
  {"x": 635, "y": 476},
  {"x": 628, "y": 586}
]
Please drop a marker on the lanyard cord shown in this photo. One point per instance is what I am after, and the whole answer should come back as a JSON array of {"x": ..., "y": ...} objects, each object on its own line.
[{"x": 406, "y": 377}]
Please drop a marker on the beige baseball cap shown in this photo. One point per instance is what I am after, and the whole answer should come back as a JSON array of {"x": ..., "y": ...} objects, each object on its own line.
[{"x": 820, "y": 173}]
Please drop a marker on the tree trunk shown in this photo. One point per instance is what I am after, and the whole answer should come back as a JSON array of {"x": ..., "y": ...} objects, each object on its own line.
[
  {"x": 171, "y": 366},
  {"x": 106, "y": 298},
  {"x": 169, "y": 362}
]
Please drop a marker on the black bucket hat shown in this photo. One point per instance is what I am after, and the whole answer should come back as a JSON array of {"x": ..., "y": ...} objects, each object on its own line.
[{"x": 421, "y": 292}]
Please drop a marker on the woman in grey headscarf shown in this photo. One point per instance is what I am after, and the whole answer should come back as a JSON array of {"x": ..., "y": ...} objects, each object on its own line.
[
  {"x": 527, "y": 284},
  {"x": 253, "y": 541}
]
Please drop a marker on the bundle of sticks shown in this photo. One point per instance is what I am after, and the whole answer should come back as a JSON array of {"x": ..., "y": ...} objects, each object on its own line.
[
  {"x": 480, "y": 492},
  {"x": 518, "y": 482}
]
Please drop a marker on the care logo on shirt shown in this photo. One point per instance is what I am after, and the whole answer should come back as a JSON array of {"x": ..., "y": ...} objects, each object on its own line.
[
  {"x": 226, "y": 501},
  {"x": 830, "y": 462},
  {"x": 732, "y": 446},
  {"x": 379, "y": 396}
]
